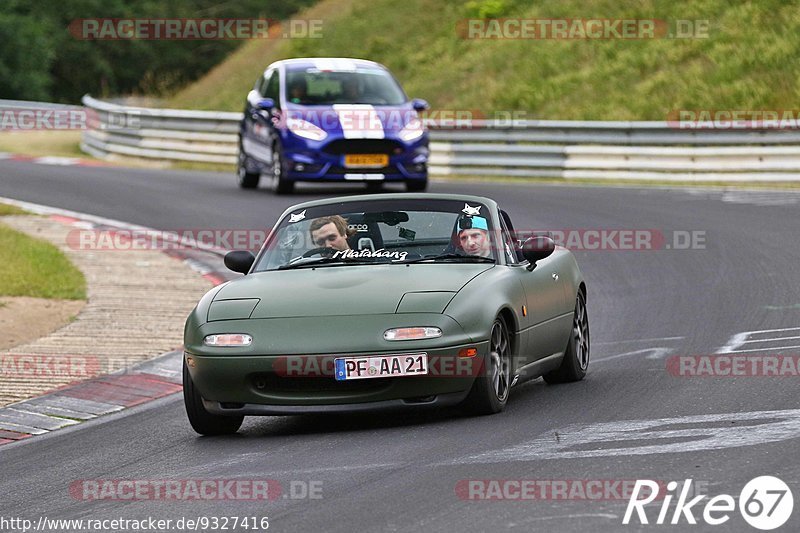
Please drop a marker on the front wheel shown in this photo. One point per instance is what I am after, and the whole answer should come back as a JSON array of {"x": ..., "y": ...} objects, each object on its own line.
[
  {"x": 202, "y": 421},
  {"x": 576, "y": 356},
  {"x": 489, "y": 393},
  {"x": 281, "y": 185}
]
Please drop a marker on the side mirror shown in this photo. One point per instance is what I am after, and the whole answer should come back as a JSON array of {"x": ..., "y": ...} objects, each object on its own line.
[
  {"x": 419, "y": 104},
  {"x": 266, "y": 104},
  {"x": 239, "y": 261},
  {"x": 537, "y": 248}
]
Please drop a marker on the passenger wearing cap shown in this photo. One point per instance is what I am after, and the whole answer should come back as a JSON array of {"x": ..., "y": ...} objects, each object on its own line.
[{"x": 473, "y": 236}]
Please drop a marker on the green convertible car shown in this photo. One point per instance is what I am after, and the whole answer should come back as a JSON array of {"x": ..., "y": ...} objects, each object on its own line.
[{"x": 380, "y": 302}]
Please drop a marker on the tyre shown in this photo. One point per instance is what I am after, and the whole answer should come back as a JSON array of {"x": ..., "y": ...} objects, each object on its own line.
[
  {"x": 417, "y": 185},
  {"x": 247, "y": 179},
  {"x": 202, "y": 421},
  {"x": 280, "y": 184},
  {"x": 576, "y": 356},
  {"x": 490, "y": 390}
]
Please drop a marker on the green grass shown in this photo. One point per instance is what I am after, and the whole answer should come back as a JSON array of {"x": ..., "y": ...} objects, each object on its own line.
[
  {"x": 42, "y": 143},
  {"x": 36, "y": 268},
  {"x": 6, "y": 209},
  {"x": 747, "y": 62}
]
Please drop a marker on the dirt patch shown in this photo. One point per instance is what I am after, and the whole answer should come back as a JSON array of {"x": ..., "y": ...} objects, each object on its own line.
[{"x": 23, "y": 319}]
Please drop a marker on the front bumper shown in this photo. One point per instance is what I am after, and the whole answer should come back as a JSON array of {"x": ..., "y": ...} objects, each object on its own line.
[
  {"x": 274, "y": 384},
  {"x": 437, "y": 401},
  {"x": 323, "y": 161}
]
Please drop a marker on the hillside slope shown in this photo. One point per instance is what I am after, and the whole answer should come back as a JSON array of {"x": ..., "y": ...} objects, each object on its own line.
[{"x": 748, "y": 60}]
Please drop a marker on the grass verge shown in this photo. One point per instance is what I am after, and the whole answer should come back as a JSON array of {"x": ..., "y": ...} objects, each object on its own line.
[
  {"x": 745, "y": 61},
  {"x": 6, "y": 209},
  {"x": 42, "y": 143},
  {"x": 34, "y": 267}
]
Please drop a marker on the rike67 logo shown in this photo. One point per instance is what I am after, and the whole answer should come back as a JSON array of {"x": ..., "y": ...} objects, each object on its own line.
[{"x": 765, "y": 503}]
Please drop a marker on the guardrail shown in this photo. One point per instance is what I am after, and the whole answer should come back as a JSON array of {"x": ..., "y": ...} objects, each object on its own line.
[{"x": 567, "y": 149}]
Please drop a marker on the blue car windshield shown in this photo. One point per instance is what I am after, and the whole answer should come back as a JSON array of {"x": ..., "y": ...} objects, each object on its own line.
[
  {"x": 356, "y": 233},
  {"x": 312, "y": 86}
]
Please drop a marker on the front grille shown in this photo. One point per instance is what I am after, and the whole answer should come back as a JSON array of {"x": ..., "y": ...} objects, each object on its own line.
[
  {"x": 266, "y": 383},
  {"x": 363, "y": 146}
]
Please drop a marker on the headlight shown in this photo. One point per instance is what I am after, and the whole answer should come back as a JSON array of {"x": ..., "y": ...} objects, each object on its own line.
[
  {"x": 410, "y": 334},
  {"x": 228, "y": 340},
  {"x": 413, "y": 130},
  {"x": 305, "y": 129}
]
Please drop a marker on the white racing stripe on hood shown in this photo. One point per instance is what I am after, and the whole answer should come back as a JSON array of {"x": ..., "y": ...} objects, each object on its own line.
[
  {"x": 359, "y": 121},
  {"x": 334, "y": 64}
]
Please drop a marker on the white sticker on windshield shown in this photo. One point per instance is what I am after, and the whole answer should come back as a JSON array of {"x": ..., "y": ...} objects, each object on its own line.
[
  {"x": 469, "y": 210},
  {"x": 298, "y": 217},
  {"x": 394, "y": 255}
]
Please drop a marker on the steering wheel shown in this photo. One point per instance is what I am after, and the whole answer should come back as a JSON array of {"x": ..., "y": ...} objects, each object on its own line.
[{"x": 323, "y": 251}]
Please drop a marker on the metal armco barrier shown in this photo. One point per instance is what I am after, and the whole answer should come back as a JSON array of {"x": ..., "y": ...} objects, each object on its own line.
[{"x": 566, "y": 149}]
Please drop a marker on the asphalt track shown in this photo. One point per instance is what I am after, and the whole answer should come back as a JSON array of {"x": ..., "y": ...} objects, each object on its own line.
[{"x": 401, "y": 472}]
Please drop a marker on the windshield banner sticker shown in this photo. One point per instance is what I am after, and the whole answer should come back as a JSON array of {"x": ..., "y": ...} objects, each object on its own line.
[
  {"x": 298, "y": 217},
  {"x": 380, "y": 252}
]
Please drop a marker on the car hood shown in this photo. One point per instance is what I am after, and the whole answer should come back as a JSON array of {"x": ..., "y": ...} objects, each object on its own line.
[
  {"x": 343, "y": 290},
  {"x": 356, "y": 120}
]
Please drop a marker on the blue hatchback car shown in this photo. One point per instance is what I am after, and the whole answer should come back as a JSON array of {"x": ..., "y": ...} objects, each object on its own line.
[{"x": 331, "y": 120}]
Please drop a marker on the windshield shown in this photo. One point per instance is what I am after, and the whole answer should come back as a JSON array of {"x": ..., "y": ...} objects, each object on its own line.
[
  {"x": 312, "y": 86},
  {"x": 372, "y": 232}
]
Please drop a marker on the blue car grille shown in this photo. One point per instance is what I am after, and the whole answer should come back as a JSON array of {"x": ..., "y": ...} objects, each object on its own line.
[{"x": 363, "y": 146}]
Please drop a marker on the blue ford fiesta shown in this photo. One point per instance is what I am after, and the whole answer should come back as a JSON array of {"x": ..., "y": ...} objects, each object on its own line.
[{"x": 331, "y": 119}]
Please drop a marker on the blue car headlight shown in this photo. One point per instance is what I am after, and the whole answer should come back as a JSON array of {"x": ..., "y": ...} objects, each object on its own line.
[
  {"x": 412, "y": 131},
  {"x": 305, "y": 129}
]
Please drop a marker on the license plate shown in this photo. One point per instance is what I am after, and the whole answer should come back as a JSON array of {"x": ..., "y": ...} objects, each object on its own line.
[
  {"x": 366, "y": 160},
  {"x": 381, "y": 366}
]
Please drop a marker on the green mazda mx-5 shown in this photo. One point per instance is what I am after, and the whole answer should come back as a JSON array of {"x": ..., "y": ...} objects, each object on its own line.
[{"x": 380, "y": 302}]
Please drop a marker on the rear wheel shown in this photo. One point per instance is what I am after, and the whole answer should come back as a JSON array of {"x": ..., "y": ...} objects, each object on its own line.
[
  {"x": 576, "y": 356},
  {"x": 202, "y": 421},
  {"x": 417, "y": 185},
  {"x": 247, "y": 179},
  {"x": 489, "y": 393},
  {"x": 280, "y": 184}
]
